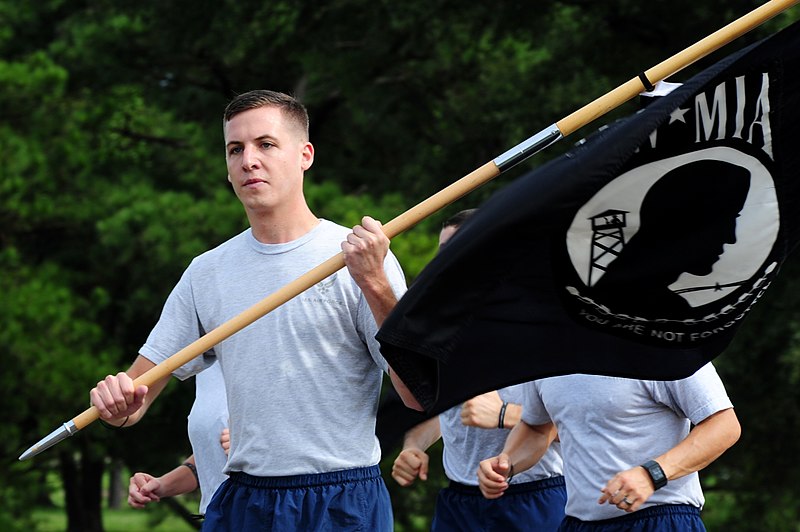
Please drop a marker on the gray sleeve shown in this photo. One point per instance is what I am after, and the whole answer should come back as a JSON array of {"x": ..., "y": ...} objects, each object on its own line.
[
  {"x": 696, "y": 397},
  {"x": 177, "y": 327},
  {"x": 533, "y": 410}
]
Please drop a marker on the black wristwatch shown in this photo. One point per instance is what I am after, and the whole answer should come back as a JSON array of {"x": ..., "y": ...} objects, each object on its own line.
[{"x": 656, "y": 473}]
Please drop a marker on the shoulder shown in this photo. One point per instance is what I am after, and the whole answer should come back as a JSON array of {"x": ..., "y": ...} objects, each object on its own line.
[
  {"x": 231, "y": 246},
  {"x": 699, "y": 395},
  {"x": 706, "y": 376},
  {"x": 328, "y": 229}
]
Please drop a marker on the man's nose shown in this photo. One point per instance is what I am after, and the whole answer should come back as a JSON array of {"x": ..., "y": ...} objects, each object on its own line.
[{"x": 249, "y": 159}]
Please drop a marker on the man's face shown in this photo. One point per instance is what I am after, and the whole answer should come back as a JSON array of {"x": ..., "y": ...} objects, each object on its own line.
[{"x": 266, "y": 156}]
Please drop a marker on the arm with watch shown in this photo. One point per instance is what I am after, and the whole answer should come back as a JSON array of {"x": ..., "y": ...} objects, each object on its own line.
[
  {"x": 629, "y": 489},
  {"x": 490, "y": 411}
]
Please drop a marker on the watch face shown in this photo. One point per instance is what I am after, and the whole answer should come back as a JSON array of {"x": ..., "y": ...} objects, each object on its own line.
[{"x": 656, "y": 473}]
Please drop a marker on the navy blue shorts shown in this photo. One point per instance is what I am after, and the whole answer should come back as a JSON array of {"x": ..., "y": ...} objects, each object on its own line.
[
  {"x": 351, "y": 499},
  {"x": 535, "y": 505},
  {"x": 661, "y": 518}
]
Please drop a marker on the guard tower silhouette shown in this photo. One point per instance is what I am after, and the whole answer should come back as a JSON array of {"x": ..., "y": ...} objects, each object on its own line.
[{"x": 607, "y": 239}]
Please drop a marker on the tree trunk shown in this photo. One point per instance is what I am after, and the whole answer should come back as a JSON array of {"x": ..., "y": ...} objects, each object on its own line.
[
  {"x": 81, "y": 476},
  {"x": 116, "y": 487}
]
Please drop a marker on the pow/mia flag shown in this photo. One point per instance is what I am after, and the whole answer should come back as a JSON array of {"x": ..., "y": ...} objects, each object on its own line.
[{"x": 636, "y": 254}]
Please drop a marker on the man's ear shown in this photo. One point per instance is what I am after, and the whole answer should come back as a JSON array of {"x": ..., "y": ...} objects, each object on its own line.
[
  {"x": 308, "y": 156},
  {"x": 229, "y": 178}
]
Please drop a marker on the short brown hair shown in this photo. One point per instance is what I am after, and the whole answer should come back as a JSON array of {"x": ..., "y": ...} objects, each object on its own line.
[
  {"x": 459, "y": 218},
  {"x": 265, "y": 98}
]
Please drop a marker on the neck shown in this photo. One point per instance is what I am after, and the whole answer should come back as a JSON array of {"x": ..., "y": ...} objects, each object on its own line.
[{"x": 275, "y": 228}]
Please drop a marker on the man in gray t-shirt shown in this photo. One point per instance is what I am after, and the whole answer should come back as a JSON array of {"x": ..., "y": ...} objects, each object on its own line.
[
  {"x": 630, "y": 458},
  {"x": 470, "y": 432},
  {"x": 302, "y": 382}
]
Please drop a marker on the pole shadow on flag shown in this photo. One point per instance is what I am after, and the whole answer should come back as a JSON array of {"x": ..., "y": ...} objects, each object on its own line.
[{"x": 636, "y": 254}]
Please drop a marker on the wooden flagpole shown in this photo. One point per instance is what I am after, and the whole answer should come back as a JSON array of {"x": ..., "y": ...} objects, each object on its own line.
[{"x": 446, "y": 196}]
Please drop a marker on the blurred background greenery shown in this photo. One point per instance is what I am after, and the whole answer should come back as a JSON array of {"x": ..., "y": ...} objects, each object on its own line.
[{"x": 112, "y": 177}]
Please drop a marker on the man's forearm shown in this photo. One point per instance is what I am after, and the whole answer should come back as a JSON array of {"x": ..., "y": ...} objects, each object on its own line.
[
  {"x": 182, "y": 479},
  {"x": 513, "y": 416},
  {"x": 380, "y": 297},
  {"x": 423, "y": 435},
  {"x": 526, "y": 444},
  {"x": 704, "y": 444},
  {"x": 139, "y": 367}
]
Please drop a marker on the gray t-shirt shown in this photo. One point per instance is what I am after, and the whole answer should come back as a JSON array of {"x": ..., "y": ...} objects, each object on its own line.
[
  {"x": 465, "y": 447},
  {"x": 209, "y": 415},
  {"x": 608, "y": 424},
  {"x": 303, "y": 381}
]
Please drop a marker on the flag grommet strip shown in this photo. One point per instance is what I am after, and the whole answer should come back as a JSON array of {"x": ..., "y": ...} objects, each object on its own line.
[{"x": 648, "y": 86}]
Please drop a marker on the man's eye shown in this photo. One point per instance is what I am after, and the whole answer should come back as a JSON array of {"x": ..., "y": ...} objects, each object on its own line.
[
  {"x": 266, "y": 145},
  {"x": 235, "y": 150}
]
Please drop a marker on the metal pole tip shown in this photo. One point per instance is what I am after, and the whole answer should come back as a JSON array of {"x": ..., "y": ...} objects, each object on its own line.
[{"x": 61, "y": 433}]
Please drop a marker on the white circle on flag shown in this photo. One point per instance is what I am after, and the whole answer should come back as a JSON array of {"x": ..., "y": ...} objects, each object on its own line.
[{"x": 756, "y": 227}]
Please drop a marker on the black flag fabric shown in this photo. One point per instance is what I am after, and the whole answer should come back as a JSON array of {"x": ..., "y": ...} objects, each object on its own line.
[{"x": 636, "y": 254}]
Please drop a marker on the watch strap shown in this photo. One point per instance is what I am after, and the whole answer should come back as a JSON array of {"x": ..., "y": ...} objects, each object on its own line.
[{"x": 656, "y": 473}]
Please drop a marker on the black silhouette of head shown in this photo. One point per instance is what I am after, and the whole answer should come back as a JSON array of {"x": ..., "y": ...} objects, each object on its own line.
[{"x": 686, "y": 218}]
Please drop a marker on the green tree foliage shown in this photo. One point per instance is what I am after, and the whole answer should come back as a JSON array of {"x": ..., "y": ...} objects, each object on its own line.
[{"x": 112, "y": 178}]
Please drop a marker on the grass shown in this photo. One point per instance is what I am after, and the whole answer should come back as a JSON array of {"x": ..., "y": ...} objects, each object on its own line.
[
  {"x": 159, "y": 518},
  {"x": 156, "y": 517},
  {"x": 123, "y": 520}
]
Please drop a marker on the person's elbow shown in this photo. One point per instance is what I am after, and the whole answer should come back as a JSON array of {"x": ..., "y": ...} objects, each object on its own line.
[
  {"x": 405, "y": 394},
  {"x": 727, "y": 428},
  {"x": 409, "y": 400},
  {"x": 412, "y": 403},
  {"x": 733, "y": 427}
]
